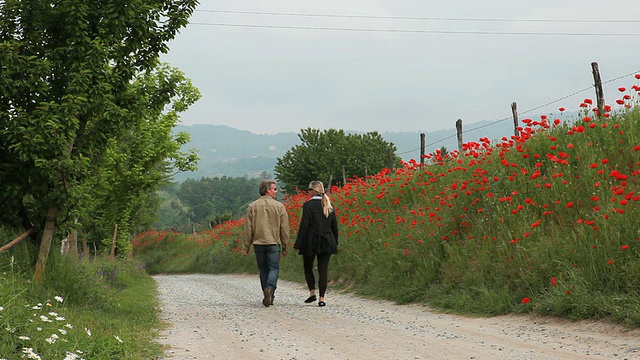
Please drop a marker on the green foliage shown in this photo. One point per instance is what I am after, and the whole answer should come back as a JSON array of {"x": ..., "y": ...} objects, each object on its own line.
[
  {"x": 322, "y": 155},
  {"x": 142, "y": 159},
  {"x": 86, "y": 111},
  {"x": 210, "y": 198}
]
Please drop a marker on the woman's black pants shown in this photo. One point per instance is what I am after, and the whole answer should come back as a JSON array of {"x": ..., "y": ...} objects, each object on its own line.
[{"x": 323, "y": 271}]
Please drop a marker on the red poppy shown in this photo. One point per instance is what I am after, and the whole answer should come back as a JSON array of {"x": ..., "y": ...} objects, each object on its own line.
[
  {"x": 610, "y": 262},
  {"x": 624, "y": 247},
  {"x": 525, "y": 300},
  {"x": 622, "y": 89},
  {"x": 553, "y": 281},
  {"x": 563, "y": 109}
]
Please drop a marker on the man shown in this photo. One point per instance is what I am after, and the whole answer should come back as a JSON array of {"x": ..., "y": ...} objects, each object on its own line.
[{"x": 267, "y": 228}]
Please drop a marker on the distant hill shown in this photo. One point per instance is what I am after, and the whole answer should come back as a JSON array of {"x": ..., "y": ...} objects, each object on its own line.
[{"x": 225, "y": 151}]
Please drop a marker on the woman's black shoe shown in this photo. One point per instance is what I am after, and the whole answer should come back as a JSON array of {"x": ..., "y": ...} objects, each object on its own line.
[
  {"x": 310, "y": 299},
  {"x": 321, "y": 303}
]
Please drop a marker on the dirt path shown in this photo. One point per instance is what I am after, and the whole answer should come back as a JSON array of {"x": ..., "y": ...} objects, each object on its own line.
[{"x": 222, "y": 317}]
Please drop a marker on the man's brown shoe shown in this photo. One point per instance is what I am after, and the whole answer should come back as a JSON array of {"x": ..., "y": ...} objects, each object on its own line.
[{"x": 268, "y": 297}]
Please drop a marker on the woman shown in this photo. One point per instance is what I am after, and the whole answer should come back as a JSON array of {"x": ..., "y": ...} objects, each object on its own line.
[{"x": 317, "y": 238}]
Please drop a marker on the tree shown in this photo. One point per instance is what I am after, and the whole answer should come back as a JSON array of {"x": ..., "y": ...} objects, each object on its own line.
[
  {"x": 211, "y": 198},
  {"x": 322, "y": 155},
  {"x": 142, "y": 159},
  {"x": 68, "y": 70}
]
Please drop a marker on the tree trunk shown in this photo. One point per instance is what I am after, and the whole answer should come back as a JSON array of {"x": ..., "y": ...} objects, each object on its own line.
[{"x": 45, "y": 245}]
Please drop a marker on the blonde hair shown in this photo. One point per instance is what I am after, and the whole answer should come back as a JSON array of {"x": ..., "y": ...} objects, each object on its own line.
[{"x": 317, "y": 186}]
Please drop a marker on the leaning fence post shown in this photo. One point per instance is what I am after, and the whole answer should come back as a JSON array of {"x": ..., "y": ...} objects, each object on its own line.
[
  {"x": 422, "y": 146},
  {"x": 459, "y": 132},
  {"x": 113, "y": 243},
  {"x": 514, "y": 111},
  {"x": 598, "y": 86}
]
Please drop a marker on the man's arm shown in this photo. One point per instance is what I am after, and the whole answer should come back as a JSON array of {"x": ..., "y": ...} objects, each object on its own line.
[
  {"x": 284, "y": 230},
  {"x": 248, "y": 233}
]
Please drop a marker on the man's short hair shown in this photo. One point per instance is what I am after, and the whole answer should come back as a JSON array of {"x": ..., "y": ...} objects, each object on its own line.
[{"x": 264, "y": 186}]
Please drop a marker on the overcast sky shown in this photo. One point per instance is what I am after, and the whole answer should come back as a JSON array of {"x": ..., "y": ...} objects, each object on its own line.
[{"x": 422, "y": 75}]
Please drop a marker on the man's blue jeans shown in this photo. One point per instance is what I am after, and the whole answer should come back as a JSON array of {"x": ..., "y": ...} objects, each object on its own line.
[{"x": 268, "y": 259}]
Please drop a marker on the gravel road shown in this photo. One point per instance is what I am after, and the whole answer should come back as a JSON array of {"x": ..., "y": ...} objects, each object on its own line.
[{"x": 222, "y": 317}]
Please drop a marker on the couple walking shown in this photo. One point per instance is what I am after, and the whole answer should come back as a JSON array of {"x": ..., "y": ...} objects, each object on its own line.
[{"x": 267, "y": 228}]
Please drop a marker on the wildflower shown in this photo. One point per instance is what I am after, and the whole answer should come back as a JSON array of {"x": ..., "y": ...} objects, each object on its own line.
[
  {"x": 24, "y": 338},
  {"x": 52, "y": 339},
  {"x": 553, "y": 281},
  {"x": 118, "y": 338},
  {"x": 31, "y": 354},
  {"x": 59, "y": 299},
  {"x": 73, "y": 356},
  {"x": 624, "y": 247},
  {"x": 525, "y": 300},
  {"x": 1, "y": 308},
  {"x": 88, "y": 332},
  {"x": 44, "y": 318}
]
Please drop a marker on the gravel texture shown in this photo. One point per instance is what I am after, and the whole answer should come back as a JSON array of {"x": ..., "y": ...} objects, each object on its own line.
[{"x": 222, "y": 317}]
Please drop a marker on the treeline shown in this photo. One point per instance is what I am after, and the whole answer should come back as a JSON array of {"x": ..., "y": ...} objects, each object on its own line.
[{"x": 199, "y": 204}]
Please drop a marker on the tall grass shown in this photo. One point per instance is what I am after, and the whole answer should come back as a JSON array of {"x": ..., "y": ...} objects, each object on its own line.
[
  {"x": 542, "y": 222},
  {"x": 75, "y": 313}
]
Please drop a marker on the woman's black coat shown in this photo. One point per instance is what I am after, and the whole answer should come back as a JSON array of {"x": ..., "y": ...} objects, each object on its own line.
[{"x": 317, "y": 234}]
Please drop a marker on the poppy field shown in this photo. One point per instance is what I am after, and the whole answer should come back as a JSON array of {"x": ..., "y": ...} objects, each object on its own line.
[{"x": 542, "y": 222}]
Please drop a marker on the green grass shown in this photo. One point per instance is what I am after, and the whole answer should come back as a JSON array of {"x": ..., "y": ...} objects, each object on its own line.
[{"x": 76, "y": 311}]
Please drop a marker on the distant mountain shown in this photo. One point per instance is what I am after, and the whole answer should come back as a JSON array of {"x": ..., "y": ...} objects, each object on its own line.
[{"x": 225, "y": 151}]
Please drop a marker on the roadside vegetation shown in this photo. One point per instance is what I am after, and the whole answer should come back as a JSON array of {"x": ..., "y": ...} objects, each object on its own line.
[
  {"x": 95, "y": 309},
  {"x": 543, "y": 222}
]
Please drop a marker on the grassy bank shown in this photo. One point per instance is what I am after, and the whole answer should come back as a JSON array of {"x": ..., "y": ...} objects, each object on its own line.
[
  {"x": 82, "y": 310},
  {"x": 543, "y": 222}
]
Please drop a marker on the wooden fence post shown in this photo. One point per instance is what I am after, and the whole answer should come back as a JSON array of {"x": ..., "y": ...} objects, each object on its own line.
[
  {"x": 598, "y": 86},
  {"x": 422, "y": 148},
  {"x": 344, "y": 176},
  {"x": 459, "y": 132},
  {"x": 16, "y": 240},
  {"x": 73, "y": 244},
  {"x": 390, "y": 158},
  {"x": 514, "y": 111},
  {"x": 85, "y": 246},
  {"x": 113, "y": 243}
]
